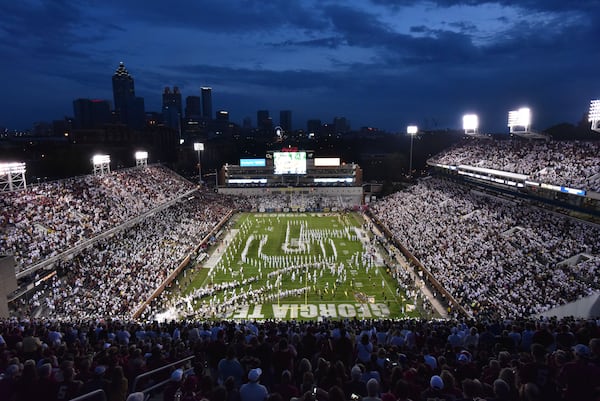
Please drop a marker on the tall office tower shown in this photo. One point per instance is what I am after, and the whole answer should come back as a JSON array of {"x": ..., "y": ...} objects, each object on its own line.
[
  {"x": 192, "y": 106},
  {"x": 136, "y": 113},
  {"x": 222, "y": 115},
  {"x": 90, "y": 114},
  {"x": 263, "y": 121},
  {"x": 313, "y": 126},
  {"x": 171, "y": 107},
  {"x": 206, "y": 102},
  {"x": 123, "y": 91},
  {"x": 341, "y": 125},
  {"x": 285, "y": 120}
]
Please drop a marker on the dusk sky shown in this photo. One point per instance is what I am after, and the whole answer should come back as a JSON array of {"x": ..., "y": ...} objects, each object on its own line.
[{"x": 382, "y": 63}]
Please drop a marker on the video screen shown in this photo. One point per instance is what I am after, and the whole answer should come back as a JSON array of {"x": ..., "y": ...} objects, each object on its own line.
[
  {"x": 253, "y": 162},
  {"x": 289, "y": 162}
]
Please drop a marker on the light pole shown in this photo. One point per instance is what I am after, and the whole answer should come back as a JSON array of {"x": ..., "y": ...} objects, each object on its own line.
[
  {"x": 199, "y": 146},
  {"x": 412, "y": 131}
]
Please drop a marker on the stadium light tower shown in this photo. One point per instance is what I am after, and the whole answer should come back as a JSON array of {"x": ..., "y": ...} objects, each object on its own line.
[
  {"x": 141, "y": 159},
  {"x": 411, "y": 130},
  {"x": 12, "y": 177},
  {"x": 594, "y": 115},
  {"x": 519, "y": 121},
  {"x": 471, "y": 124},
  {"x": 198, "y": 147},
  {"x": 101, "y": 164}
]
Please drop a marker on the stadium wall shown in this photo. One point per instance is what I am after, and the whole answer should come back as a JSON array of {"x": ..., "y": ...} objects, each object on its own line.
[
  {"x": 8, "y": 282},
  {"x": 588, "y": 307},
  {"x": 354, "y": 192}
]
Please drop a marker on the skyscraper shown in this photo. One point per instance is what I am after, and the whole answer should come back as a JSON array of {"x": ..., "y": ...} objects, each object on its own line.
[
  {"x": 171, "y": 107},
  {"x": 263, "y": 121},
  {"x": 285, "y": 120},
  {"x": 192, "y": 106},
  {"x": 123, "y": 91},
  {"x": 90, "y": 114},
  {"x": 206, "y": 102}
]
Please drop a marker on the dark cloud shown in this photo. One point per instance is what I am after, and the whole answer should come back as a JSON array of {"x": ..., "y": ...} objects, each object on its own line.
[
  {"x": 535, "y": 5},
  {"x": 327, "y": 42},
  {"x": 375, "y": 66}
]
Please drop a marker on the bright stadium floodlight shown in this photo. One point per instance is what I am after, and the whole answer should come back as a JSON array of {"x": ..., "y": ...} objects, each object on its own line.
[
  {"x": 101, "y": 164},
  {"x": 594, "y": 115},
  {"x": 471, "y": 124},
  {"x": 411, "y": 130},
  {"x": 198, "y": 147},
  {"x": 12, "y": 177},
  {"x": 141, "y": 158},
  {"x": 519, "y": 121}
]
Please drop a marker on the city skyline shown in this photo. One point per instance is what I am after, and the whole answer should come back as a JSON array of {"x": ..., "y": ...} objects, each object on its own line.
[{"x": 382, "y": 63}]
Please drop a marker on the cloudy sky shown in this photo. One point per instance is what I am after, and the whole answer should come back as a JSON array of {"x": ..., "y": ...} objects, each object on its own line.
[{"x": 381, "y": 63}]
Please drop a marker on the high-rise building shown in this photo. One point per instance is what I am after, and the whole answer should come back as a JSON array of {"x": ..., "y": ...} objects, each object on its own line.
[
  {"x": 313, "y": 127},
  {"x": 136, "y": 113},
  {"x": 206, "y": 102},
  {"x": 222, "y": 115},
  {"x": 192, "y": 107},
  {"x": 123, "y": 91},
  {"x": 341, "y": 125},
  {"x": 285, "y": 120},
  {"x": 171, "y": 107},
  {"x": 90, "y": 114},
  {"x": 263, "y": 120}
]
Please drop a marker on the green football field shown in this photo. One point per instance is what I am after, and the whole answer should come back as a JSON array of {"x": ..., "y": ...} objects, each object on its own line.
[{"x": 295, "y": 266}]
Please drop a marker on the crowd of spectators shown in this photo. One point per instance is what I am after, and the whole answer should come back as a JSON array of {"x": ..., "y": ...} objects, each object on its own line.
[
  {"x": 46, "y": 219},
  {"x": 113, "y": 277},
  {"x": 492, "y": 360},
  {"x": 299, "y": 201},
  {"x": 499, "y": 255},
  {"x": 573, "y": 164}
]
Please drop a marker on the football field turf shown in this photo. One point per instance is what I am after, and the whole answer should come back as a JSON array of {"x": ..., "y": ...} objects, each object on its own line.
[{"x": 296, "y": 266}]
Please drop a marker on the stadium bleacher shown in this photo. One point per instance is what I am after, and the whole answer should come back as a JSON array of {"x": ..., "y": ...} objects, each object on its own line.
[
  {"x": 572, "y": 164},
  {"x": 505, "y": 260}
]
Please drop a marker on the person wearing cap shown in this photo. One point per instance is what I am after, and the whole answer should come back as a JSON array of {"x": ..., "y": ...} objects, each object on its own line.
[
  {"x": 253, "y": 390},
  {"x": 173, "y": 385},
  {"x": 578, "y": 378},
  {"x": 97, "y": 382},
  {"x": 435, "y": 389}
]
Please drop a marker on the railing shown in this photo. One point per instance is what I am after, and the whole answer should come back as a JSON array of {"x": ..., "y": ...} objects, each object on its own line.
[
  {"x": 89, "y": 395},
  {"x": 152, "y": 372}
]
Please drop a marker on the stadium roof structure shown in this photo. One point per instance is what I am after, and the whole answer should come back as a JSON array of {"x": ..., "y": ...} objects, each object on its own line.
[{"x": 12, "y": 177}]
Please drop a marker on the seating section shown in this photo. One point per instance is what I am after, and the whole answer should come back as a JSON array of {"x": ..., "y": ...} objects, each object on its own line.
[
  {"x": 49, "y": 218},
  {"x": 573, "y": 164},
  {"x": 502, "y": 255}
]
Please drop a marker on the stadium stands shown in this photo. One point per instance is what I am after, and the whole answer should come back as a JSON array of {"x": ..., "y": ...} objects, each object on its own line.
[
  {"x": 564, "y": 163},
  {"x": 409, "y": 359},
  {"x": 492, "y": 254},
  {"x": 46, "y": 219},
  {"x": 504, "y": 260}
]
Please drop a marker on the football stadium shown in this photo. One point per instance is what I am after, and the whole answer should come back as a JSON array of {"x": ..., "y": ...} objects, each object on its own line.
[{"x": 476, "y": 280}]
